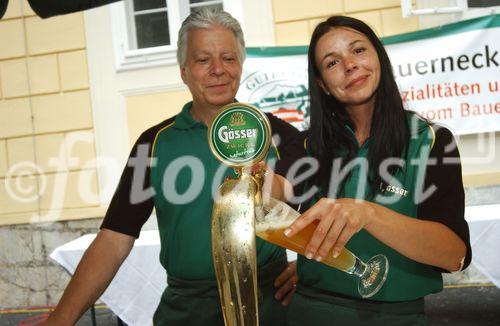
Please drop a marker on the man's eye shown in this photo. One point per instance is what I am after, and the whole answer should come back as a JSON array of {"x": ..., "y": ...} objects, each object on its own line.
[
  {"x": 202, "y": 60},
  {"x": 229, "y": 58}
]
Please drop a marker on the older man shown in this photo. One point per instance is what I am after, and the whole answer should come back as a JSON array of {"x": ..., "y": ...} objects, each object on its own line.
[{"x": 210, "y": 53}]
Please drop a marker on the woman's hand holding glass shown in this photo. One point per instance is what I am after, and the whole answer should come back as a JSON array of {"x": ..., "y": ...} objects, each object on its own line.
[{"x": 338, "y": 220}]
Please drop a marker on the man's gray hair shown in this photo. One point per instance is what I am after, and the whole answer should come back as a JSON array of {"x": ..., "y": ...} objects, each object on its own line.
[{"x": 208, "y": 18}]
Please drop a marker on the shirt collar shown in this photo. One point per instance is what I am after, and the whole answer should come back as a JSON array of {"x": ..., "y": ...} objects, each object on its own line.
[
  {"x": 184, "y": 120},
  {"x": 351, "y": 131}
]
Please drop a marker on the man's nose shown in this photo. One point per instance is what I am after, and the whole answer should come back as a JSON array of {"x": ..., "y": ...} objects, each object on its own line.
[{"x": 217, "y": 67}]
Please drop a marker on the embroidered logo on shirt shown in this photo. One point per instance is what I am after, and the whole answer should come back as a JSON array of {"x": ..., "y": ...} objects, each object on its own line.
[{"x": 393, "y": 189}]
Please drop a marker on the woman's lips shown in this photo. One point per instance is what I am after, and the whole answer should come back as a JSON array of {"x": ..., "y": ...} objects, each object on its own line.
[{"x": 356, "y": 81}]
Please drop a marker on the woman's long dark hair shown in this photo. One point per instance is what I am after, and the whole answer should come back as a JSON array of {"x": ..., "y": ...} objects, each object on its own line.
[{"x": 328, "y": 137}]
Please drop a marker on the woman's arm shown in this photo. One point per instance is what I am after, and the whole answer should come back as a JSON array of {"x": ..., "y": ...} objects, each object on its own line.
[
  {"x": 438, "y": 236},
  {"x": 427, "y": 242}
]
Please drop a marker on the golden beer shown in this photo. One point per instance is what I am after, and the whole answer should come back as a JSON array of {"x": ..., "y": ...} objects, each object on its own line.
[
  {"x": 345, "y": 261},
  {"x": 275, "y": 216}
]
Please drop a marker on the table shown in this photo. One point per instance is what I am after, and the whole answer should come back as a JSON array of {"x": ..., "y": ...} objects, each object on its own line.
[{"x": 135, "y": 292}]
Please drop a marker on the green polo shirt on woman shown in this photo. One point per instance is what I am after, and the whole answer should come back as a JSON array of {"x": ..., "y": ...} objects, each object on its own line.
[{"x": 407, "y": 279}]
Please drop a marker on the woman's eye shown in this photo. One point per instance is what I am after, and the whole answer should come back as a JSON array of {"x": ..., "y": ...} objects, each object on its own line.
[
  {"x": 202, "y": 60},
  {"x": 359, "y": 50},
  {"x": 229, "y": 58},
  {"x": 331, "y": 63}
]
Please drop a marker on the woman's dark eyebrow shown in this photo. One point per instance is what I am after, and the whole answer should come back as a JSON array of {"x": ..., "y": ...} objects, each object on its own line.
[
  {"x": 333, "y": 52},
  {"x": 354, "y": 42}
]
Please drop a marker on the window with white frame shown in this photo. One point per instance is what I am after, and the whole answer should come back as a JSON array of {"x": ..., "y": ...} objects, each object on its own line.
[
  {"x": 145, "y": 31},
  {"x": 151, "y": 24},
  {"x": 467, "y": 8}
]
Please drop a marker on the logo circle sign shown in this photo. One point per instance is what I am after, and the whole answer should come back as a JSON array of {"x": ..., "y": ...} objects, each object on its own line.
[{"x": 240, "y": 135}]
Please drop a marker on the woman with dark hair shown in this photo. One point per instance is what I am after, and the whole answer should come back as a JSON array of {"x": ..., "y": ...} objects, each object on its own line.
[{"x": 385, "y": 185}]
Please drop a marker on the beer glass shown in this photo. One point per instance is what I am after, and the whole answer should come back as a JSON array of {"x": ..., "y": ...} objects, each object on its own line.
[{"x": 276, "y": 216}]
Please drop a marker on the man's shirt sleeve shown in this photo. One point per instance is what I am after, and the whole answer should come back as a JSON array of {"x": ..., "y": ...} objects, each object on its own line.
[{"x": 133, "y": 200}]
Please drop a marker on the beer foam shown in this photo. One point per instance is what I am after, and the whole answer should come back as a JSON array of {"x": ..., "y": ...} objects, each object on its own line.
[{"x": 278, "y": 215}]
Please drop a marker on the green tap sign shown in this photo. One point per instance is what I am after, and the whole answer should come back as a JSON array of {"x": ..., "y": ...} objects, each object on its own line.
[{"x": 240, "y": 135}]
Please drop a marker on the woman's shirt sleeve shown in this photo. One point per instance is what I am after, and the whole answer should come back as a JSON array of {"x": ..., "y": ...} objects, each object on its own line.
[{"x": 446, "y": 204}]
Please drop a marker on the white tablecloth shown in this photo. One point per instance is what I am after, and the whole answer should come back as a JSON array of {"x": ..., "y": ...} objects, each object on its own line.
[
  {"x": 484, "y": 225},
  {"x": 135, "y": 292}
]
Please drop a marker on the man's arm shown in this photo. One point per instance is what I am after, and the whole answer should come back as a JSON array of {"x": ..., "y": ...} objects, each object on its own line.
[
  {"x": 129, "y": 209},
  {"x": 95, "y": 271}
]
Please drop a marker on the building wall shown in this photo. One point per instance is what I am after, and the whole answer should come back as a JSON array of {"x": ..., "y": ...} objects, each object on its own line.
[
  {"x": 28, "y": 277},
  {"x": 295, "y": 20},
  {"x": 45, "y": 113},
  {"x": 157, "y": 110}
]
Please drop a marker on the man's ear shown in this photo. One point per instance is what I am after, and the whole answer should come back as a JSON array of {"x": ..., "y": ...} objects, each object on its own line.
[
  {"x": 183, "y": 74},
  {"x": 321, "y": 84}
]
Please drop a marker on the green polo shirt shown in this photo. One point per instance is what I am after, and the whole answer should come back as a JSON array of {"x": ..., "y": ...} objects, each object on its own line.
[
  {"x": 184, "y": 176},
  {"x": 407, "y": 279}
]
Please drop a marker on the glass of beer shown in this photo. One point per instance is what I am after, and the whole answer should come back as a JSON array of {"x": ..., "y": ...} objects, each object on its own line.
[{"x": 275, "y": 216}]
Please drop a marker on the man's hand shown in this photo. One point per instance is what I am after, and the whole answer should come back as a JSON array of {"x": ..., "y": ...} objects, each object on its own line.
[
  {"x": 286, "y": 283},
  {"x": 95, "y": 271}
]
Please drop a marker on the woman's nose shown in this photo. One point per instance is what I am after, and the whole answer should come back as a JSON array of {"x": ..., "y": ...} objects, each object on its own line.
[{"x": 350, "y": 65}]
